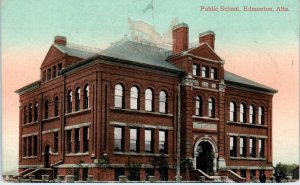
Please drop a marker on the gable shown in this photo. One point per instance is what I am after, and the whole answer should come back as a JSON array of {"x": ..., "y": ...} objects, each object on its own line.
[
  {"x": 53, "y": 55},
  {"x": 205, "y": 51}
]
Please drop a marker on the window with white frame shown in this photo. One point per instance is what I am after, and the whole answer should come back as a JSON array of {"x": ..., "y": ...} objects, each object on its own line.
[
  {"x": 134, "y": 98},
  {"x": 149, "y": 100},
  {"x": 119, "y": 99}
]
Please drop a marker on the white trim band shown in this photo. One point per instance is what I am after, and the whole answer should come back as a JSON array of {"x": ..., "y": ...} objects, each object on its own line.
[
  {"x": 247, "y": 135},
  {"x": 50, "y": 131},
  {"x": 31, "y": 134},
  {"x": 77, "y": 126},
  {"x": 141, "y": 125}
]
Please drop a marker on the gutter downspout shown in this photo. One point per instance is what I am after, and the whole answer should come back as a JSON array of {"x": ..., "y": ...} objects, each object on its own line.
[{"x": 178, "y": 134}]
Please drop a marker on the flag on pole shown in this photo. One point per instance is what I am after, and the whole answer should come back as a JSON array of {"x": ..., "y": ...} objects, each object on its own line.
[{"x": 148, "y": 7}]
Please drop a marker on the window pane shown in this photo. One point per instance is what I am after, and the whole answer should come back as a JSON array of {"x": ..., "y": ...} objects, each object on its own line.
[
  {"x": 162, "y": 102},
  {"x": 162, "y": 142},
  {"x": 134, "y": 94},
  {"x": 148, "y": 140},
  {"x": 118, "y": 138},
  {"x": 133, "y": 140},
  {"x": 148, "y": 100},
  {"x": 118, "y": 96}
]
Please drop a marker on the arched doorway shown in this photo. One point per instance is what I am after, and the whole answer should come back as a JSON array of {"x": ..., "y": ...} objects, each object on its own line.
[
  {"x": 205, "y": 155},
  {"x": 47, "y": 157},
  {"x": 205, "y": 158}
]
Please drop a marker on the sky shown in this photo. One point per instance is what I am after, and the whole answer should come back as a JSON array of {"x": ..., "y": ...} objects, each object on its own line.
[{"x": 261, "y": 46}]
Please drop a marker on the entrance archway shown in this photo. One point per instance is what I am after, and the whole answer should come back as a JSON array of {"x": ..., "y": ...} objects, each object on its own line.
[
  {"x": 205, "y": 155},
  {"x": 47, "y": 157},
  {"x": 205, "y": 158}
]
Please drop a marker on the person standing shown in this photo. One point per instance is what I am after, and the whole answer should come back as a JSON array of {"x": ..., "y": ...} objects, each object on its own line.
[{"x": 262, "y": 177}]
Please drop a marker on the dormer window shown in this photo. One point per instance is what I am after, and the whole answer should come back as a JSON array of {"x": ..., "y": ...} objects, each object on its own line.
[
  {"x": 195, "y": 70},
  {"x": 49, "y": 74},
  {"x": 54, "y": 72},
  {"x": 204, "y": 71},
  {"x": 213, "y": 73},
  {"x": 59, "y": 66}
]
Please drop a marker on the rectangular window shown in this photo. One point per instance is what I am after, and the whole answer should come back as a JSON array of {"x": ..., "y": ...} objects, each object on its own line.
[
  {"x": 242, "y": 147},
  {"x": 118, "y": 172},
  {"x": 76, "y": 174},
  {"x": 85, "y": 173},
  {"x": 232, "y": 146},
  {"x": 44, "y": 76},
  {"x": 213, "y": 73},
  {"x": 55, "y": 148},
  {"x": 243, "y": 173},
  {"x": 59, "y": 69},
  {"x": 252, "y": 174},
  {"x": 29, "y": 146},
  {"x": 195, "y": 69},
  {"x": 77, "y": 140},
  {"x": 163, "y": 142},
  {"x": 149, "y": 172},
  {"x": 49, "y": 74},
  {"x": 34, "y": 145},
  {"x": 24, "y": 147},
  {"x": 118, "y": 139},
  {"x": 261, "y": 148},
  {"x": 252, "y": 147},
  {"x": 133, "y": 139},
  {"x": 85, "y": 139},
  {"x": 69, "y": 141},
  {"x": 148, "y": 141},
  {"x": 54, "y": 72},
  {"x": 204, "y": 71}
]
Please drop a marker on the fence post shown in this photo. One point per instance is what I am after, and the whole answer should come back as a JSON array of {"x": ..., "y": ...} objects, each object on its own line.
[
  {"x": 70, "y": 178},
  {"x": 31, "y": 177},
  {"x": 152, "y": 179},
  {"x": 45, "y": 178},
  {"x": 122, "y": 178},
  {"x": 90, "y": 178}
]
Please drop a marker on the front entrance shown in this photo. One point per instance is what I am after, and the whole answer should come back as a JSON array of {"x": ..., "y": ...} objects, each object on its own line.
[
  {"x": 205, "y": 158},
  {"x": 47, "y": 157}
]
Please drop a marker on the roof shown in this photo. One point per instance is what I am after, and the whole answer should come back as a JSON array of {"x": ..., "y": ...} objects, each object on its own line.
[
  {"x": 140, "y": 53},
  {"x": 75, "y": 52},
  {"x": 29, "y": 87},
  {"x": 231, "y": 78}
]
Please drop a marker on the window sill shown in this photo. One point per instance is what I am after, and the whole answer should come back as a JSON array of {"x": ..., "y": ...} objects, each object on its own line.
[
  {"x": 248, "y": 158},
  {"x": 30, "y": 157},
  {"x": 51, "y": 119},
  {"x": 139, "y": 154},
  {"x": 79, "y": 112},
  {"x": 52, "y": 79},
  {"x": 206, "y": 78},
  {"x": 142, "y": 112},
  {"x": 247, "y": 124},
  {"x": 30, "y": 124},
  {"x": 77, "y": 154},
  {"x": 205, "y": 117}
]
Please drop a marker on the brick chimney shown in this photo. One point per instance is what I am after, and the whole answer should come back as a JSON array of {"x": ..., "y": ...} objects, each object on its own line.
[
  {"x": 180, "y": 37},
  {"x": 208, "y": 37},
  {"x": 61, "y": 40}
]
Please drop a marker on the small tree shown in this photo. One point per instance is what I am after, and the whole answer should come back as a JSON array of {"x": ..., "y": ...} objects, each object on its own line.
[
  {"x": 133, "y": 169},
  {"x": 186, "y": 164}
]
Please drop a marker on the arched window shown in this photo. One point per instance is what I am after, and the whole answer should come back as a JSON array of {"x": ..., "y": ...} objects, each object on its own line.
[
  {"x": 56, "y": 106},
  {"x": 25, "y": 114},
  {"x": 86, "y": 93},
  {"x": 242, "y": 113},
  {"x": 211, "y": 108},
  {"x": 148, "y": 100},
  {"x": 77, "y": 99},
  {"x": 232, "y": 107},
  {"x": 46, "y": 109},
  {"x": 261, "y": 115},
  {"x": 198, "y": 106},
  {"x": 163, "y": 102},
  {"x": 134, "y": 98},
  {"x": 119, "y": 98},
  {"x": 251, "y": 114},
  {"x": 69, "y": 100},
  {"x": 30, "y": 113},
  {"x": 35, "y": 114}
]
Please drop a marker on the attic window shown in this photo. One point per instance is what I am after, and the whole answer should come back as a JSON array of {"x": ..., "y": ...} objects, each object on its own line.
[
  {"x": 59, "y": 68},
  {"x": 49, "y": 74},
  {"x": 204, "y": 71},
  {"x": 195, "y": 70}
]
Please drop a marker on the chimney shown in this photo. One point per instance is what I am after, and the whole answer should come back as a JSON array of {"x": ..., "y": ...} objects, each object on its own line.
[
  {"x": 60, "y": 40},
  {"x": 180, "y": 37},
  {"x": 208, "y": 37}
]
